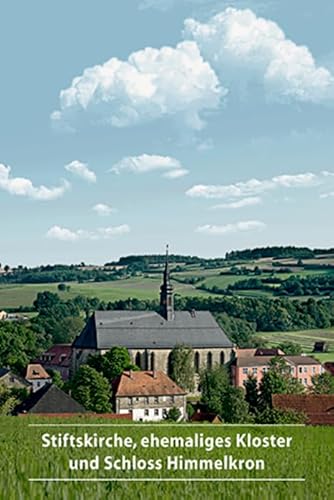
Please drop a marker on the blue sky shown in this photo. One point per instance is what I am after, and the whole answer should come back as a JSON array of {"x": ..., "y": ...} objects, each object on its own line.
[{"x": 127, "y": 125}]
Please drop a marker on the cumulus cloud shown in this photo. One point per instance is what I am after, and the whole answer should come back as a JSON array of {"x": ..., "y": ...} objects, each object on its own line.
[
  {"x": 21, "y": 186},
  {"x": 148, "y": 163},
  {"x": 246, "y": 202},
  {"x": 253, "y": 187},
  {"x": 80, "y": 169},
  {"x": 242, "y": 47},
  {"x": 65, "y": 234},
  {"x": 327, "y": 195},
  {"x": 103, "y": 209},
  {"x": 250, "y": 225},
  {"x": 151, "y": 84}
]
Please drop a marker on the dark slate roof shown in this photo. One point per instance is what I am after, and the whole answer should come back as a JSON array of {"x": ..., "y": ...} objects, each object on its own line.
[
  {"x": 3, "y": 372},
  {"x": 148, "y": 329},
  {"x": 49, "y": 399}
]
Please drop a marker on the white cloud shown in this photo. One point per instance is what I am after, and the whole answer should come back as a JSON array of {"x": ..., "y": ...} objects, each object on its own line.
[
  {"x": 148, "y": 163},
  {"x": 253, "y": 187},
  {"x": 243, "y": 47},
  {"x": 246, "y": 202},
  {"x": 103, "y": 209},
  {"x": 64, "y": 234},
  {"x": 80, "y": 169},
  {"x": 327, "y": 195},
  {"x": 250, "y": 225},
  {"x": 151, "y": 84},
  {"x": 21, "y": 186}
]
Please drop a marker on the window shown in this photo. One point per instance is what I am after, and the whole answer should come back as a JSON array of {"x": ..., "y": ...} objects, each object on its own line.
[
  {"x": 172, "y": 399},
  {"x": 156, "y": 412},
  {"x": 245, "y": 371},
  {"x": 137, "y": 400},
  {"x": 146, "y": 413},
  {"x": 300, "y": 369},
  {"x": 156, "y": 399},
  {"x": 196, "y": 362},
  {"x": 305, "y": 369},
  {"x": 305, "y": 381},
  {"x": 264, "y": 369},
  {"x": 313, "y": 369},
  {"x": 209, "y": 361},
  {"x": 38, "y": 384},
  {"x": 152, "y": 361},
  {"x": 138, "y": 359},
  {"x": 147, "y": 400},
  {"x": 222, "y": 358},
  {"x": 130, "y": 401},
  {"x": 255, "y": 371}
]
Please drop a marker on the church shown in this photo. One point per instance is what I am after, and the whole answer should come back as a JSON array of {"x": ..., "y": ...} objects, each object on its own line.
[{"x": 150, "y": 336}]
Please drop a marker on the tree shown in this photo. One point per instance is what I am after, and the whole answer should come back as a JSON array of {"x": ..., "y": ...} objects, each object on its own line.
[
  {"x": 113, "y": 363},
  {"x": 252, "y": 394},
  {"x": 213, "y": 383},
  {"x": 235, "y": 409},
  {"x": 323, "y": 383},
  {"x": 173, "y": 414},
  {"x": 91, "y": 389},
  {"x": 61, "y": 287},
  {"x": 8, "y": 401},
  {"x": 56, "y": 378},
  {"x": 278, "y": 416},
  {"x": 278, "y": 380},
  {"x": 290, "y": 348},
  {"x": 182, "y": 367}
]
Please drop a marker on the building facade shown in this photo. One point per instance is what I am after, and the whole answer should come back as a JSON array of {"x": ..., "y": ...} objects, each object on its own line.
[
  {"x": 148, "y": 395},
  {"x": 150, "y": 336}
]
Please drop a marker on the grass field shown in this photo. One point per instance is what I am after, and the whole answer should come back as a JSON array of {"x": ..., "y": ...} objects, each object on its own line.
[
  {"x": 306, "y": 338},
  {"x": 22, "y": 457},
  {"x": 140, "y": 288}
]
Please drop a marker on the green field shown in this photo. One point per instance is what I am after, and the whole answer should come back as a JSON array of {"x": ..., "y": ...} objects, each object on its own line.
[
  {"x": 308, "y": 461},
  {"x": 140, "y": 288},
  {"x": 306, "y": 338}
]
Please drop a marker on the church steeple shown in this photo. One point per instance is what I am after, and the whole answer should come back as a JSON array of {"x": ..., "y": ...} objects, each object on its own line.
[{"x": 166, "y": 294}]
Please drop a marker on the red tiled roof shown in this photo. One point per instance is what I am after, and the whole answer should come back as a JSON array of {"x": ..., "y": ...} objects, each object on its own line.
[
  {"x": 319, "y": 408},
  {"x": 57, "y": 355},
  {"x": 146, "y": 383},
  {"x": 36, "y": 372}
]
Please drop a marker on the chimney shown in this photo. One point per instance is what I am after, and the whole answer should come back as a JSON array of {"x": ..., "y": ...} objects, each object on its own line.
[
  {"x": 131, "y": 374},
  {"x": 154, "y": 374}
]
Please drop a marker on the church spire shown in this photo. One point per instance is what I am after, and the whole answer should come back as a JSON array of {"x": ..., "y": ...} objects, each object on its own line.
[{"x": 166, "y": 293}]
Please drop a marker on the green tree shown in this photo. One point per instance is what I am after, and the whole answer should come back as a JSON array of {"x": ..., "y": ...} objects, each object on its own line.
[
  {"x": 290, "y": 348},
  {"x": 323, "y": 383},
  {"x": 181, "y": 368},
  {"x": 173, "y": 414},
  {"x": 113, "y": 363},
  {"x": 252, "y": 394},
  {"x": 213, "y": 383},
  {"x": 56, "y": 378},
  {"x": 8, "y": 400},
  {"x": 277, "y": 416},
  {"x": 235, "y": 409},
  {"x": 91, "y": 389},
  {"x": 278, "y": 380}
]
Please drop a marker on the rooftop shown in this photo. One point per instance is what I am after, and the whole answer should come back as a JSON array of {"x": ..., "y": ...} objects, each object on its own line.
[
  {"x": 49, "y": 399},
  {"x": 36, "y": 372},
  {"x": 148, "y": 329},
  {"x": 146, "y": 383},
  {"x": 319, "y": 408}
]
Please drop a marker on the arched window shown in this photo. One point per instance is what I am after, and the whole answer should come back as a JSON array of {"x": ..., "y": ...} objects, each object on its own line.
[
  {"x": 169, "y": 364},
  {"x": 209, "y": 361},
  {"x": 222, "y": 358},
  {"x": 152, "y": 361},
  {"x": 138, "y": 359},
  {"x": 196, "y": 362}
]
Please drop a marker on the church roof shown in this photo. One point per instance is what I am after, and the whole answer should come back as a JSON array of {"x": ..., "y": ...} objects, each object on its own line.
[{"x": 150, "y": 330}]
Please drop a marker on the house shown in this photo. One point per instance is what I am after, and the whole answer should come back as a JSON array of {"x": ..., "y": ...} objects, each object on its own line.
[
  {"x": 10, "y": 380},
  {"x": 49, "y": 400},
  {"x": 58, "y": 358},
  {"x": 301, "y": 367},
  {"x": 150, "y": 336},
  {"x": 204, "y": 416},
  {"x": 320, "y": 347},
  {"x": 148, "y": 395},
  {"x": 318, "y": 408},
  {"x": 37, "y": 376}
]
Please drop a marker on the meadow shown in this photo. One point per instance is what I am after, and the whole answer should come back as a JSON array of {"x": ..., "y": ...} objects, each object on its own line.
[{"x": 309, "y": 458}]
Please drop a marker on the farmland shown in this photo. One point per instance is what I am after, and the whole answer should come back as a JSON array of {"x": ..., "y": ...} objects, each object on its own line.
[{"x": 309, "y": 458}]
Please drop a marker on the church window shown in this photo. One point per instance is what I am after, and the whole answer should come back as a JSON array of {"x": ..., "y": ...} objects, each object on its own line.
[
  {"x": 197, "y": 361},
  {"x": 138, "y": 359},
  {"x": 222, "y": 358},
  {"x": 209, "y": 361},
  {"x": 152, "y": 361}
]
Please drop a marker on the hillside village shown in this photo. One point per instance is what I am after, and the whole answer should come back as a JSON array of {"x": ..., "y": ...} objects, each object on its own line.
[{"x": 165, "y": 364}]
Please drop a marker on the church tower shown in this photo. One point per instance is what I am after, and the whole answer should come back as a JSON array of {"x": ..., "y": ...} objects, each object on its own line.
[{"x": 166, "y": 294}]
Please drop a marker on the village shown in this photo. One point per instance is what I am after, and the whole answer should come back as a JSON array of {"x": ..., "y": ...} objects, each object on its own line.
[{"x": 150, "y": 366}]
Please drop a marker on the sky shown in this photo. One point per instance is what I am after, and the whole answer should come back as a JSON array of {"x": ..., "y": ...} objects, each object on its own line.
[{"x": 127, "y": 125}]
